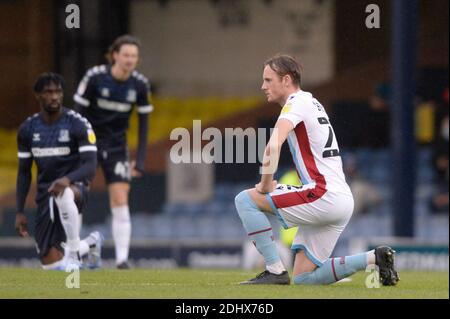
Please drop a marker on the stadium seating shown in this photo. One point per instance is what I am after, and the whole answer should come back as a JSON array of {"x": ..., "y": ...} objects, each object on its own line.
[
  {"x": 172, "y": 112},
  {"x": 217, "y": 218}
]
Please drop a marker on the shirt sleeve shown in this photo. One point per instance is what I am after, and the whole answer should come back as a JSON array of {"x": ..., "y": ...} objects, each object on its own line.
[
  {"x": 23, "y": 142},
  {"x": 143, "y": 102},
  {"x": 84, "y": 135},
  {"x": 293, "y": 111},
  {"x": 24, "y": 170},
  {"x": 86, "y": 90}
]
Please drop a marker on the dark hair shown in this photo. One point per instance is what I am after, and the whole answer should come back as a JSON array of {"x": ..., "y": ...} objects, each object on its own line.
[
  {"x": 117, "y": 44},
  {"x": 285, "y": 65},
  {"x": 46, "y": 79}
]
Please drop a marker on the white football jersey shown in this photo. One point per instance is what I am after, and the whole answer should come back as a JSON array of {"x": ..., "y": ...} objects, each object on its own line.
[{"x": 312, "y": 143}]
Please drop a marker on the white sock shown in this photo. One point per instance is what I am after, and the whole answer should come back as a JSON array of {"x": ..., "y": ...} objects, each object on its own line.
[
  {"x": 92, "y": 238},
  {"x": 84, "y": 248},
  {"x": 68, "y": 213},
  {"x": 121, "y": 230},
  {"x": 57, "y": 265},
  {"x": 87, "y": 243},
  {"x": 371, "y": 257},
  {"x": 276, "y": 268}
]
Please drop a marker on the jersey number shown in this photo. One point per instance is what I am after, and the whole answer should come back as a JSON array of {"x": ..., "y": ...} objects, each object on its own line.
[
  {"x": 328, "y": 151},
  {"x": 122, "y": 169}
]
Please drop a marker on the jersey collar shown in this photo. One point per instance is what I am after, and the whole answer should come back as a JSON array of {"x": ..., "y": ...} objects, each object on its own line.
[{"x": 290, "y": 97}]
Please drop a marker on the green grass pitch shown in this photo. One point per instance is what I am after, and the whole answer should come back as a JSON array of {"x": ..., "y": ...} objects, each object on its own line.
[{"x": 205, "y": 284}]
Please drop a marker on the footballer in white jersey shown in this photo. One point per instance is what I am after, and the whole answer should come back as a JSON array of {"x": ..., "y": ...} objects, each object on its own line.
[
  {"x": 321, "y": 207},
  {"x": 324, "y": 197}
]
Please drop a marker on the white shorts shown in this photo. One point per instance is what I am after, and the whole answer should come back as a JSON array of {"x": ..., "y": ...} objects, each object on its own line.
[{"x": 320, "y": 214}]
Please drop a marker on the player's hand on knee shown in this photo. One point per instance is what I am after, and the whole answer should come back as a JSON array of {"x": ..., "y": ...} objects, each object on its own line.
[
  {"x": 264, "y": 189},
  {"x": 21, "y": 225},
  {"x": 58, "y": 186},
  {"x": 134, "y": 171}
]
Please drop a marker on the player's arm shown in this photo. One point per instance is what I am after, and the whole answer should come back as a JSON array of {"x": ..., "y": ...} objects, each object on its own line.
[
  {"x": 272, "y": 155},
  {"x": 138, "y": 166},
  {"x": 23, "y": 181},
  {"x": 144, "y": 108},
  {"x": 85, "y": 91},
  {"x": 88, "y": 160},
  {"x": 86, "y": 171}
]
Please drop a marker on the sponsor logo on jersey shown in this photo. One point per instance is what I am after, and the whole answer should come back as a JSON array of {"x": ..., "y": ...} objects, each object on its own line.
[
  {"x": 286, "y": 108},
  {"x": 91, "y": 136},
  {"x": 131, "y": 96},
  {"x": 36, "y": 137},
  {"x": 105, "y": 92},
  {"x": 63, "y": 136},
  {"x": 113, "y": 106},
  {"x": 50, "y": 151}
]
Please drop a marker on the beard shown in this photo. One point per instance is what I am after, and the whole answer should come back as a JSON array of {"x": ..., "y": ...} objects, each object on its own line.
[{"x": 52, "y": 108}]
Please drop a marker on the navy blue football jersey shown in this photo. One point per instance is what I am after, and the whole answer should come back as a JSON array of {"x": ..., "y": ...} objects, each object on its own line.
[
  {"x": 55, "y": 148},
  {"x": 107, "y": 103}
]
